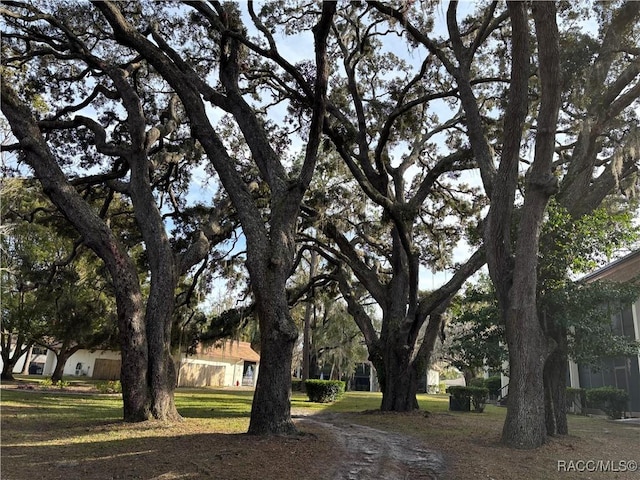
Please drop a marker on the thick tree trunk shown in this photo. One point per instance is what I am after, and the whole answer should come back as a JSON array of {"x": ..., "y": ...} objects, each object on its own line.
[
  {"x": 10, "y": 360},
  {"x": 555, "y": 385},
  {"x": 271, "y": 411},
  {"x": 160, "y": 305},
  {"x": 61, "y": 360},
  {"x": 7, "y": 369},
  {"x": 163, "y": 385},
  {"x": 134, "y": 355},
  {"x": 158, "y": 320},
  {"x": 401, "y": 384},
  {"x": 524, "y": 425}
]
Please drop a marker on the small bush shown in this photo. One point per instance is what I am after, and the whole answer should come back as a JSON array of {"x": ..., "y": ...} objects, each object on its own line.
[
  {"x": 460, "y": 400},
  {"x": 62, "y": 384},
  {"x": 324, "y": 391},
  {"x": 442, "y": 387},
  {"x": 476, "y": 382},
  {"x": 612, "y": 401},
  {"x": 46, "y": 383},
  {"x": 296, "y": 385},
  {"x": 112, "y": 386},
  {"x": 462, "y": 395}
]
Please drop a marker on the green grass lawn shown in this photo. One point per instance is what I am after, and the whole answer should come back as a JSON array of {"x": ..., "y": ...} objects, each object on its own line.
[{"x": 62, "y": 429}]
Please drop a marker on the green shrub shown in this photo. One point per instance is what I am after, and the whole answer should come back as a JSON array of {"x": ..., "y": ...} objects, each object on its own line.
[
  {"x": 476, "y": 382},
  {"x": 463, "y": 395},
  {"x": 442, "y": 387},
  {"x": 112, "y": 386},
  {"x": 296, "y": 385},
  {"x": 62, "y": 384},
  {"x": 324, "y": 391},
  {"x": 46, "y": 383},
  {"x": 612, "y": 401}
]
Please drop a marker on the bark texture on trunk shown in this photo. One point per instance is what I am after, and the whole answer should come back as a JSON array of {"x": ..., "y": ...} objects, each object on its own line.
[
  {"x": 7, "y": 370},
  {"x": 524, "y": 426},
  {"x": 9, "y": 359},
  {"x": 164, "y": 279},
  {"x": 401, "y": 380},
  {"x": 271, "y": 410},
  {"x": 27, "y": 361},
  {"x": 270, "y": 244}
]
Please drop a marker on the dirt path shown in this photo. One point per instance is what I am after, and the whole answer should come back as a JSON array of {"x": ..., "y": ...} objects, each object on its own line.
[{"x": 372, "y": 454}]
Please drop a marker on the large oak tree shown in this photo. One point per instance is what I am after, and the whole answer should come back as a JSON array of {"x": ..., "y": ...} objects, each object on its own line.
[{"x": 86, "y": 117}]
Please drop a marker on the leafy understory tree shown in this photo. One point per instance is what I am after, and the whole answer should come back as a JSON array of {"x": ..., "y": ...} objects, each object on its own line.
[
  {"x": 23, "y": 251},
  {"x": 474, "y": 335}
]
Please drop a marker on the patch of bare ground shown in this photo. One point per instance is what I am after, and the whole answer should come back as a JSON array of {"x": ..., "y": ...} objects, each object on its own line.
[
  {"x": 370, "y": 453},
  {"x": 470, "y": 446}
]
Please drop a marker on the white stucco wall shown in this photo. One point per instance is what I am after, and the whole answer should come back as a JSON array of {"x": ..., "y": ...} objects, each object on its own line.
[{"x": 86, "y": 357}]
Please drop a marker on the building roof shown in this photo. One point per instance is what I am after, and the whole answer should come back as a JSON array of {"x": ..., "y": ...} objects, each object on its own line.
[
  {"x": 621, "y": 270},
  {"x": 230, "y": 350}
]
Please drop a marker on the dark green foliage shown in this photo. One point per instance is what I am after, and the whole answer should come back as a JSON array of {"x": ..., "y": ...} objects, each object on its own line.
[
  {"x": 324, "y": 391},
  {"x": 476, "y": 331},
  {"x": 296, "y": 385},
  {"x": 587, "y": 310},
  {"x": 476, "y": 395},
  {"x": 230, "y": 323},
  {"x": 476, "y": 382},
  {"x": 612, "y": 401}
]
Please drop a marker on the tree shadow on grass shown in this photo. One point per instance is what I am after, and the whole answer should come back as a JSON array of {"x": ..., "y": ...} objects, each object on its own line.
[
  {"x": 190, "y": 456},
  {"x": 204, "y": 406}
]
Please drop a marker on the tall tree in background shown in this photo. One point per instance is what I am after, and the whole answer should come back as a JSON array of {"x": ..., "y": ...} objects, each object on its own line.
[
  {"x": 511, "y": 258},
  {"x": 474, "y": 335},
  {"x": 392, "y": 212},
  {"x": 589, "y": 167}
]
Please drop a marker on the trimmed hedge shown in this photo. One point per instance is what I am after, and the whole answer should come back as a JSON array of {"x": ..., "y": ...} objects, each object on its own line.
[
  {"x": 462, "y": 395},
  {"x": 476, "y": 382},
  {"x": 612, "y": 401},
  {"x": 296, "y": 385},
  {"x": 324, "y": 391}
]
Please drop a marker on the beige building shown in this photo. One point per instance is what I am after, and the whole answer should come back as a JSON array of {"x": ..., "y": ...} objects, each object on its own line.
[{"x": 228, "y": 364}]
